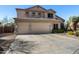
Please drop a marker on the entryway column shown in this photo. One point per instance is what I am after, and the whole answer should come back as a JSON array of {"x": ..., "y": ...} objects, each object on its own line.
[
  {"x": 50, "y": 27},
  {"x": 46, "y": 15},
  {"x": 59, "y": 26},
  {"x": 30, "y": 14},
  {"x": 54, "y": 16}
]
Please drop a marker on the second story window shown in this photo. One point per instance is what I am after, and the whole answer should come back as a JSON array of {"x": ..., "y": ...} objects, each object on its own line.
[
  {"x": 50, "y": 15},
  {"x": 39, "y": 14},
  {"x": 33, "y": 13},
  {"x": 27, "y": 13}
]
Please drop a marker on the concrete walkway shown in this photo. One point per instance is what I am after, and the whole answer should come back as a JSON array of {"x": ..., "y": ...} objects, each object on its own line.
[{"x": 45, "y": 44}]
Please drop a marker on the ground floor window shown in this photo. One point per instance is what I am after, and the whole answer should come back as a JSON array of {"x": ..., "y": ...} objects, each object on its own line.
[
  {"x": 55, "y": 26},
  {"x": 62, "y": 26}
]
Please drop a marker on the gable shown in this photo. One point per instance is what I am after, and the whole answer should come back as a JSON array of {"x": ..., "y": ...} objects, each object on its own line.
[
  {"x": 37, "y": 8},
  {"x": 59, "y": 18},
  {"x": 51, "y": 11}
]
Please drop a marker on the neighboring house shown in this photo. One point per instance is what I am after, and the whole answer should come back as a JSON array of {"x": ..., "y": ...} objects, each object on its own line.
[{"x": 37, "y": 20}]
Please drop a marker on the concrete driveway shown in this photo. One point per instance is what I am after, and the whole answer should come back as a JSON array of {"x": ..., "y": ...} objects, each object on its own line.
[{"x": 44, "y": 44}]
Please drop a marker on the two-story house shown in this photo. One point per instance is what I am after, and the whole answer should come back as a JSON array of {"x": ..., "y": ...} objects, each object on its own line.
[{"x": 37, "y": 19}]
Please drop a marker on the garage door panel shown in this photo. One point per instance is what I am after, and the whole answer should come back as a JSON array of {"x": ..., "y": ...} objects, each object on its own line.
[
  {"x": 40, "y": 27},
  {"x": 23, "y": 28}
]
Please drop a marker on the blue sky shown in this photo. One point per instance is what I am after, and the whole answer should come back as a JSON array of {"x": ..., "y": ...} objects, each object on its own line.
[{"x": 64, "y": 11}]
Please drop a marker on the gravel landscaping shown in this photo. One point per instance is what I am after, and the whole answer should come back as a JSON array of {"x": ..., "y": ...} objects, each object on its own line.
[{"x": 5, "y": 41}]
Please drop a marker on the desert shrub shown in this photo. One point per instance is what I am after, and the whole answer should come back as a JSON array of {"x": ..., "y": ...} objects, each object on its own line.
[{"x": 70, "y": 33}]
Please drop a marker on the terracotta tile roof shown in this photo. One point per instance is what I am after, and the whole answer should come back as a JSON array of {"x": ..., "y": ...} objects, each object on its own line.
[{"x": 38, "y": 7}]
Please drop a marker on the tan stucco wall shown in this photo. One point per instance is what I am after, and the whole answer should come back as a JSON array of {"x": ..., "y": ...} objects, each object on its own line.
[{"x": 21, "y": 14}]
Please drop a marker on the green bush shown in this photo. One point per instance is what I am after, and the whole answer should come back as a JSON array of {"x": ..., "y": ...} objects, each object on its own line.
[
  {"x": 70, "y": 33},
  {"x": 58, "y": 31}
]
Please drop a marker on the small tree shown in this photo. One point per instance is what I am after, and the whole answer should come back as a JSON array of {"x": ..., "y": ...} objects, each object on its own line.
[
  {"x": 68, "y": 23},
  {"x": 72, "y": 22},
  {"x": 8, "y": 25},
  {"x": 75, "y": 21}
]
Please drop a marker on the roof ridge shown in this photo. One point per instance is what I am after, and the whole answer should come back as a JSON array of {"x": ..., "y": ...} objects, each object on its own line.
[{"x": 36, "y": 6}]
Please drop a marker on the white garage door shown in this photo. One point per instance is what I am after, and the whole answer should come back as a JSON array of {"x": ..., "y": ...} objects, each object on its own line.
[
  {"x": 23, "y": 27},
  {"x": 33, "y": 28},
  {"x": 40, "y": 27}
]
